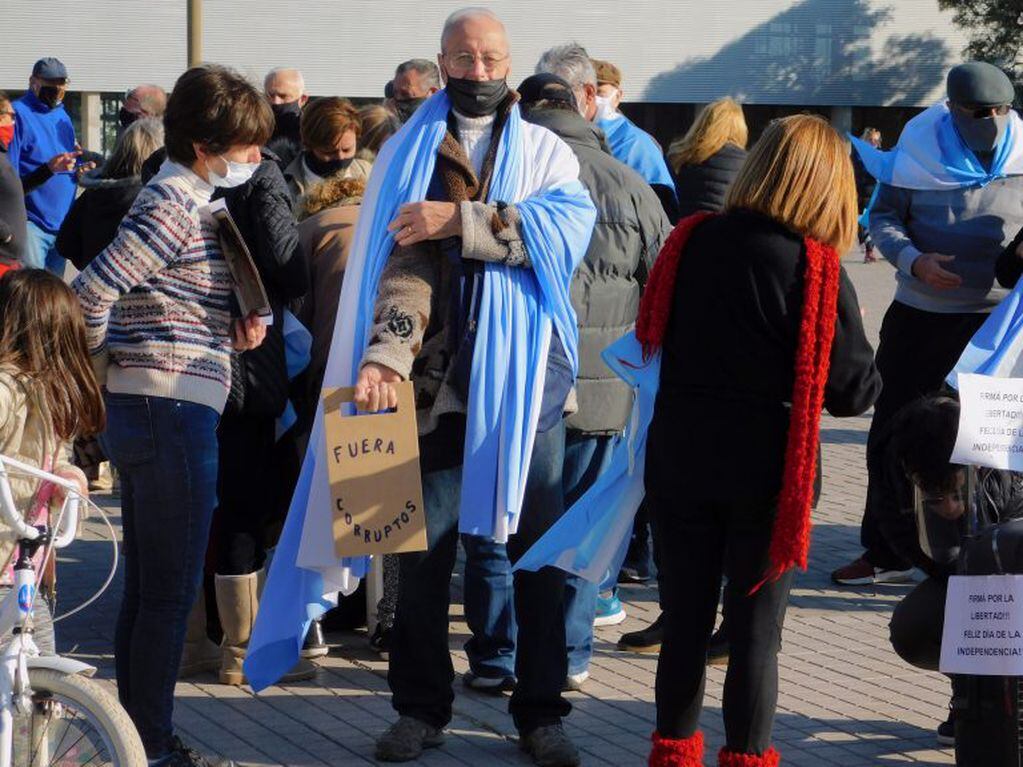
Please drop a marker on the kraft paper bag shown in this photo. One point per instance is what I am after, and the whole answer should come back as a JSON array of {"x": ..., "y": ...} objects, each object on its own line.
[{"x": 376, "y": 490}]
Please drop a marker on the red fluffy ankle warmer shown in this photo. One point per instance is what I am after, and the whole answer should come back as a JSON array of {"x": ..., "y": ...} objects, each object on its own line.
[
  {"x": 770, "y": 758},
  {"x": 676, "y": 752}
]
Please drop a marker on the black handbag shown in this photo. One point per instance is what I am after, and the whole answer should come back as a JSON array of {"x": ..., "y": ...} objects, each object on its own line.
[{"x": 259, "y": 378}]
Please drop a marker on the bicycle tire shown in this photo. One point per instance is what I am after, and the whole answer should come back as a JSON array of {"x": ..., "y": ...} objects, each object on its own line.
[{"x": 91, "y": 698}]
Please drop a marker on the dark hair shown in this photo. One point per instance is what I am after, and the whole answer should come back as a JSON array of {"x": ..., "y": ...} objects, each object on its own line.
[
  {"x": 216, "y": 107},
  {"x": 42, "y": 336},
  {"x": 4, "y": 98},
  {"x": 924, "y": 434},
  {"x": 326, "y": 120}
]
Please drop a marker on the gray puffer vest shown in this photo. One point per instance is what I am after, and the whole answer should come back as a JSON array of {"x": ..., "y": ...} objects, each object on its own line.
[{"x": 631, "y": 226}]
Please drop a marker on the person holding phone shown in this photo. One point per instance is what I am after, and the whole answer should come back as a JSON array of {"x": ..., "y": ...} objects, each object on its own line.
[{"x": 45, "y": 155}]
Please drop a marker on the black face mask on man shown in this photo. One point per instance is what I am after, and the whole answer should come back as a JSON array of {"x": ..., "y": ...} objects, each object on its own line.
[
  {"x": 476, "y": 98},
  {"x": 980, "y": 134},
  {"x": 407, "y": 107},
  {"x": 50, "y": 95},
  {"x": 326, "y": 168},
  {"x": 126, "y": 118}
]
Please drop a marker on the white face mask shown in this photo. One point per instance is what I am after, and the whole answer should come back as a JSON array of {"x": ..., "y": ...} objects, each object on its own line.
[
  {"x": 605, "y": 108},
  {"x": 237, "y": 173}
]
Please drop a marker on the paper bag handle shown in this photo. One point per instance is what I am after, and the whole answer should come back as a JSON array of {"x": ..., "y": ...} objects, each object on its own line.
[{"x": 334, "y": 398}]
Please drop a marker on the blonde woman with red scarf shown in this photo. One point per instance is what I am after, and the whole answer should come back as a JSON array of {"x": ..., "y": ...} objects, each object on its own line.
[{"x": 759, "y": 329}]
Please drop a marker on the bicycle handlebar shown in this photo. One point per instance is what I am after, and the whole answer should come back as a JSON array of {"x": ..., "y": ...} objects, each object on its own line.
[{"x": 9, "y": 511}]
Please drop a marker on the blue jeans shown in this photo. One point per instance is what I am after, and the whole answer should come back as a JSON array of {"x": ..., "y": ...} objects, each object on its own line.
[
  {"x": 41, "y": 251},
  {"x": 166, "y": 453},
  {"x": 489, "y": 597},
  {"x": 421, "y": 673}
]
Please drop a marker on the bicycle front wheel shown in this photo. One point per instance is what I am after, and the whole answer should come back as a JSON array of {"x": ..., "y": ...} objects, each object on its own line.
[{"x": 73, "y": 722}]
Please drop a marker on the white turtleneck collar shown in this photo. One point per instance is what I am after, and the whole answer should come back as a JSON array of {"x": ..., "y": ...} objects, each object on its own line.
[
  {"x": 201, "y": 191},
  {"x": 474, "y": 135}
]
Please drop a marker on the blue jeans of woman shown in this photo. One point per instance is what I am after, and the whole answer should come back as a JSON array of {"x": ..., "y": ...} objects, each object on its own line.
[{"x": 166, "y": 453}]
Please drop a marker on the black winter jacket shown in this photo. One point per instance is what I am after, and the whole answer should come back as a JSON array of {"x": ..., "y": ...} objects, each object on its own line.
[
  {"x": 95, "y": 215},
  {"x": 262, "y": 210},
  {"x": 727, "y": 365},
  {"x": 13, "y": 219},
  {"x": 705, "y": 186},
  {"x": 631, "y": 226}
]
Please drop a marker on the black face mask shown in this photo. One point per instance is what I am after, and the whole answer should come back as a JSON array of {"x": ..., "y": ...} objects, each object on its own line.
[
  {"x": 475, "y": 98},
  {"x": 328, "y": 168},
  {"x": 287, "y": 108},
  {"x": 980, "y": 135},
  {"x": 407, "y": 107},
  {"x": 50, "y": 95},
  {"x": 126, "y": 118}
]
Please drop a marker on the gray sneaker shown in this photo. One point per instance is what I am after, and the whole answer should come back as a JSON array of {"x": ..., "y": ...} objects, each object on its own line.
[
  {"x": 406, "y": 739},
  {"x": 550, "y": 747}
]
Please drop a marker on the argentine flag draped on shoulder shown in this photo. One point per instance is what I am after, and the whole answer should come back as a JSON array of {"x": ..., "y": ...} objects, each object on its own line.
[
  {"x": 931, "y": 156},
  {"x": 519, "y": 310}
]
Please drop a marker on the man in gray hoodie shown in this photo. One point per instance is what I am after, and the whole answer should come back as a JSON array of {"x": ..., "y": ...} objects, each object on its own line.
[{"x": 943, "y": 233}]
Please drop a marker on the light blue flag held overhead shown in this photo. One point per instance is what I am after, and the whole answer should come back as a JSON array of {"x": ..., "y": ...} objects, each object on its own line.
[
  {"x": 996, "y": 349},
  {"x": 637, "y": 149},
  {"x": 590, "y": 539},
  {"x": 519, "y": 309},
  {"x": 931, "y": 156}
]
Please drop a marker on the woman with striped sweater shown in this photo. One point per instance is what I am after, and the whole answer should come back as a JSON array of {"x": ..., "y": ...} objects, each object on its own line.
[{"x": 158, "y": 307}]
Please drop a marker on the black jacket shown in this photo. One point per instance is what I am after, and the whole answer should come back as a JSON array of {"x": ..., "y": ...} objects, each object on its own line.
[
  {"x": 262, "y": 210},
  {"x": 865, "y": 183},
  {"x": 705, "y": 186},
  {"x": 631, "y": 227},
  {"x": 727, "y": 367},
  {"x": 94, "y": 217},
  {"x": 13, "y": 219}
]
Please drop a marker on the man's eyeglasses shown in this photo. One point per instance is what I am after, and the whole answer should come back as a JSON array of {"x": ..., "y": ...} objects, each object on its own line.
[
  {"x": 464, "y": 62},
  {"x": 12, "y": 114},
  {"x": 979, "y": 113}
]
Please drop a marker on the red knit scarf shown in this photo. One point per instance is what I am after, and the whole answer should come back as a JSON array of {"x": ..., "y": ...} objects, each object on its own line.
[{"x": 790, "y": 538}]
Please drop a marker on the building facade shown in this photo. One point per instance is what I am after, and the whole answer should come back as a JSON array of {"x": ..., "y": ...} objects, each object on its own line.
[{"x": 854, "y": 59}]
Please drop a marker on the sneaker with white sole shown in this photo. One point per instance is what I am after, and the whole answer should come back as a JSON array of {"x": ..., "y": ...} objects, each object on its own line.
[
  {"x": 494, "y": 685},
  {"x": 609, "y": 610},
  {"x": 861, "y": 572},
  {"x": 575, "y": 682}
]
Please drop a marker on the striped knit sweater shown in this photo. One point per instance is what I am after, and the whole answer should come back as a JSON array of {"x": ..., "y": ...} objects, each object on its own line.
[{"x": 157, "y": 301}]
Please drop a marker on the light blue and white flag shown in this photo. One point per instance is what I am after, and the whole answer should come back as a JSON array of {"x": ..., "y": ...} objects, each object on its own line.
[
  {"x": 931, "y": 155},
  {"x": 996, "y": 349},
  {"x": 591, "y": 537},
  {"x": 636, "y": 148},
  {"x": 519, "y": 309}
]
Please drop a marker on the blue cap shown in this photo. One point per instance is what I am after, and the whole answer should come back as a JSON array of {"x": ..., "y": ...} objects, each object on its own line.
[{"x": 50, "y": 68}]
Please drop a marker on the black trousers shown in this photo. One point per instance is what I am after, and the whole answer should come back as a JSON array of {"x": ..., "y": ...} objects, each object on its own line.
[
  {"x": 917, "y": 623},
  {"x": 246, "y": 493},
  {"x": 708, "y": 540},
  {"x": 916, "y": 352},
  {"x": 420, "y": 673}
]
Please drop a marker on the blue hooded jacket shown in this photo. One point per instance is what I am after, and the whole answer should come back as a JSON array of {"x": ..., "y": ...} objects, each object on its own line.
[{"x": 39, "y": 134}]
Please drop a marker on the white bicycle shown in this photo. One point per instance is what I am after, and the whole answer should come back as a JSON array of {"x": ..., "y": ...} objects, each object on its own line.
[{"x": 51, "y": 712}]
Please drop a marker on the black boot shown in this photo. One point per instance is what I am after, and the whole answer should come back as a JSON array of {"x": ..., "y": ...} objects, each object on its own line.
[{"x": 646, "y": 640}]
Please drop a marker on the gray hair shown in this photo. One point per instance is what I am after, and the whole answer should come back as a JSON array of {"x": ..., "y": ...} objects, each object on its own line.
[
  {"x": 456, "y": 18},
  {"x": 426, "y": 69},
  {"x": 291, "y": 72},
  {"x": 152, "y": 99},
  {"x": 134, "y": 146},
  {"x": 571, "y": 63}
]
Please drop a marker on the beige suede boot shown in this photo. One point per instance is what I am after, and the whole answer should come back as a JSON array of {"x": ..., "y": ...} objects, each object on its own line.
[
  {"x": 238, "y": 602},
  {"x": 201, "y": 653}
]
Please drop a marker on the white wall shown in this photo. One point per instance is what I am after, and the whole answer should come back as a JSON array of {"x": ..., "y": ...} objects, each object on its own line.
[{"x": 765, "y": 51}]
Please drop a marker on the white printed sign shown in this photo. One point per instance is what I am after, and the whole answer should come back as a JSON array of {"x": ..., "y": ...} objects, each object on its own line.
[
  {"x": 983, "y": 626},
  {"x": 990, "y": 422}
]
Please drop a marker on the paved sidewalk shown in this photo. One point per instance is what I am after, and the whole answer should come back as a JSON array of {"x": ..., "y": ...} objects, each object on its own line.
[{"x": 846, "y": 699}]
